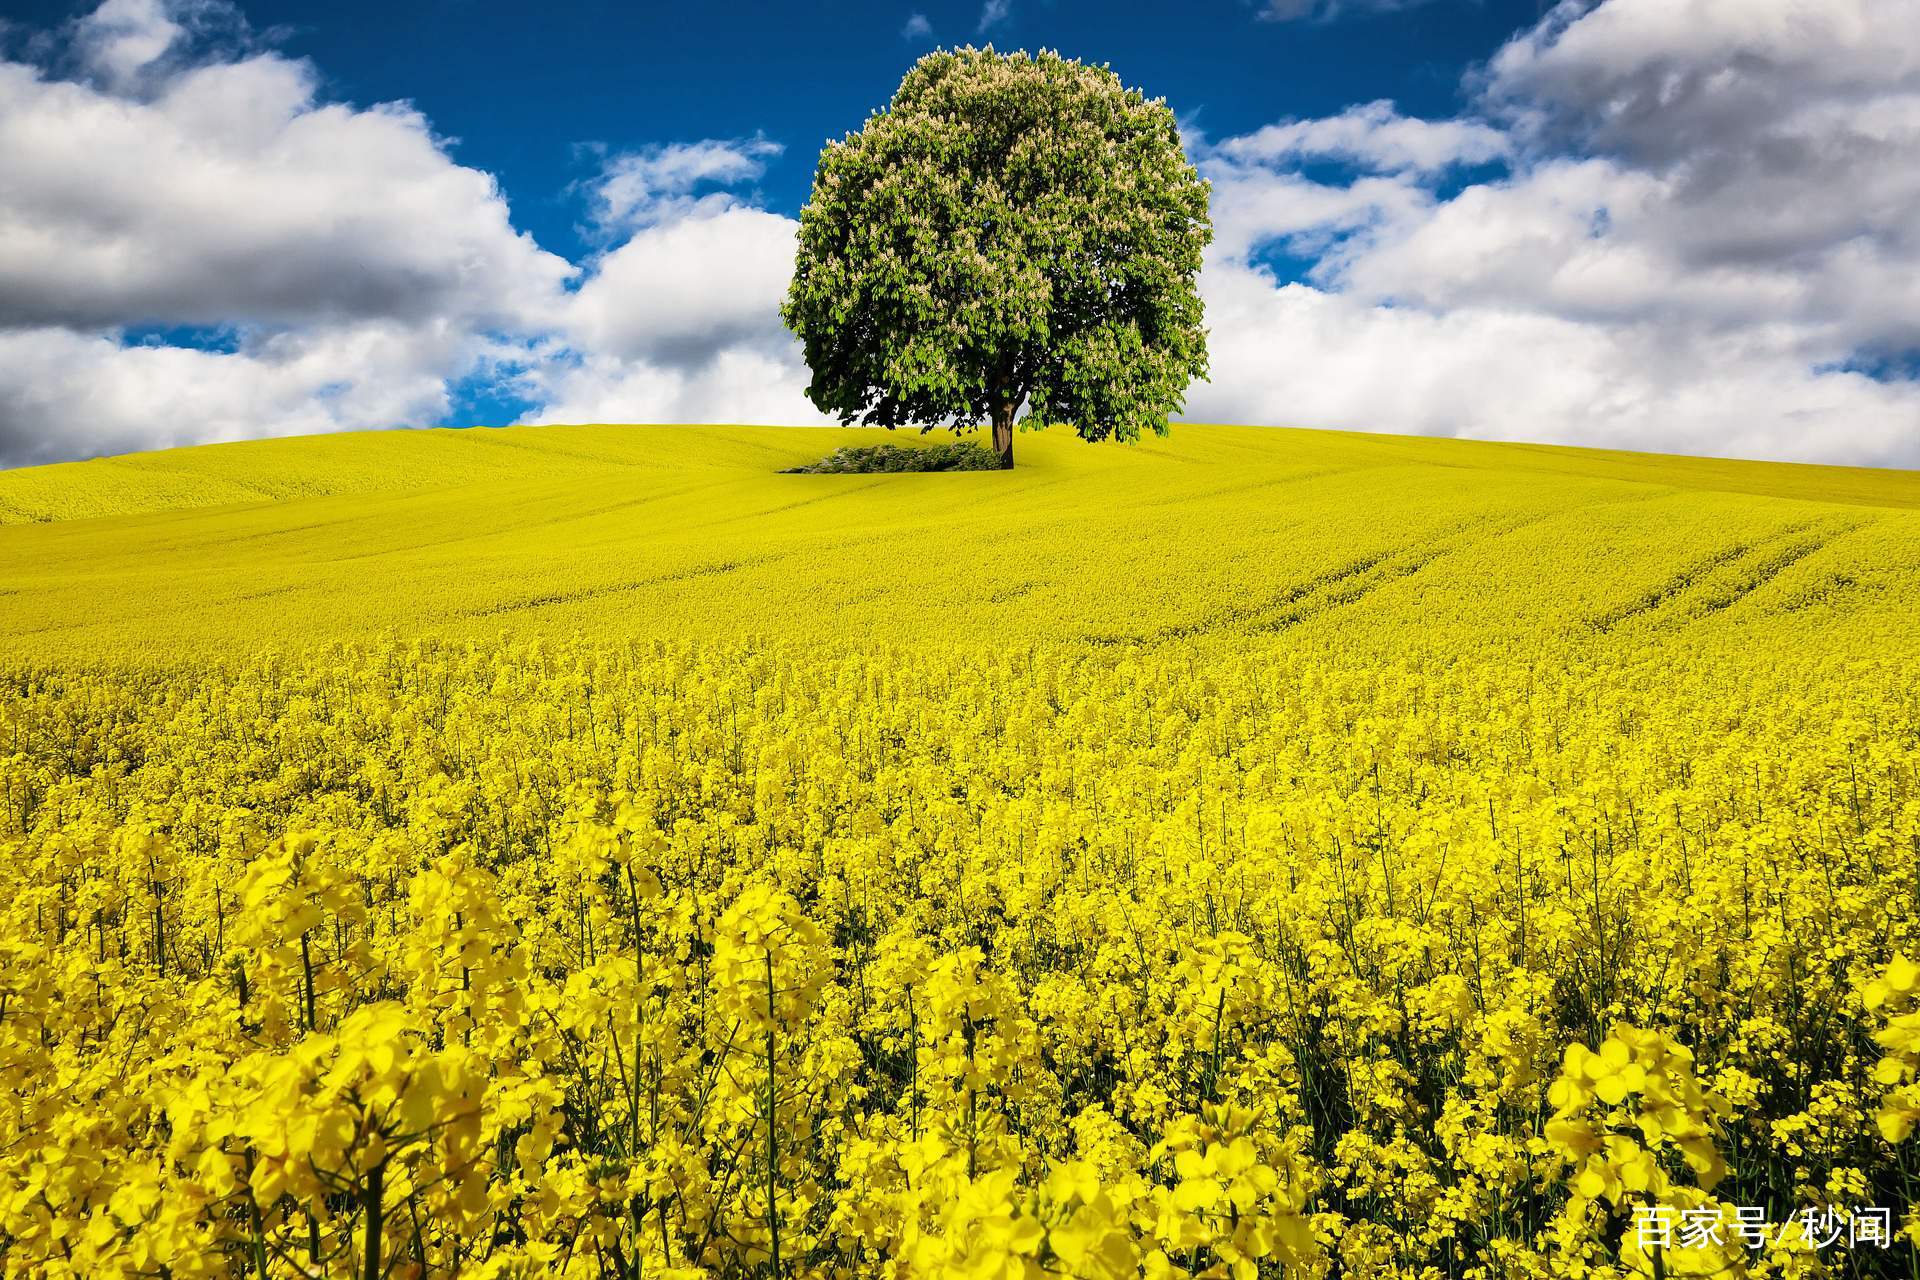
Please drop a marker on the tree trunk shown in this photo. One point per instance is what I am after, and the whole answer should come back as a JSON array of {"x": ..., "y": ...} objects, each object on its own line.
[{"x": 1003, "y": 433}]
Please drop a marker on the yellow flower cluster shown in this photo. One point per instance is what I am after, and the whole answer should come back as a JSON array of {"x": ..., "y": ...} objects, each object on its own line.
[
  {"x": 588, "y": 960},
  {"x": 1617, "y": 1110},
  {"x": 1896, "y": 996},
  {"x": 1668, "y": 1109}
]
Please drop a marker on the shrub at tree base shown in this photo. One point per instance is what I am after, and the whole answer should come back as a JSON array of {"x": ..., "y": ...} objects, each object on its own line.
[{"x": 963, "y": 455}]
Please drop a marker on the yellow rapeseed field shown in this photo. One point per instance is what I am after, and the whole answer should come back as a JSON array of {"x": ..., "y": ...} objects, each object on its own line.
[{"x": 585, "y": 852}]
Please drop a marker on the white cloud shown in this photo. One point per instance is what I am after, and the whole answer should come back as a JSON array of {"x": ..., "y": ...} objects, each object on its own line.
[
  {"x": 123, "y": 38},
  {"x": 1661, "y": 80},
  {"x": 1253, "y": 207},
  {"x": 356, "y": 269},
  {"x": 642, "y": 188},
  {"x": 80, "y": 395},
  {"x": 1373, "y": 136},
  {"x": 682, "y": 290},
  {"x": 735, "y": 385},
  {"x": 680, "y": 322},
  {"x": 1759, "y": 158},
  {"x": 233, "y": 196},
  {"x": 916, "y": 27},
  {"x": 1295, "y": 355},
  {"x": 993, "y": 13},
  {"x": 1706, "y": 223}
]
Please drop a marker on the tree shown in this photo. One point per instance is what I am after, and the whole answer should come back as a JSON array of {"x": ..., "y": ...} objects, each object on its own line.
[{"x": 1012, "y": 229}]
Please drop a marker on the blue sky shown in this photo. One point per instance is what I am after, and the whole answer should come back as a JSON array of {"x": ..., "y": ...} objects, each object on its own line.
[{"x": 1635, "y": 223}]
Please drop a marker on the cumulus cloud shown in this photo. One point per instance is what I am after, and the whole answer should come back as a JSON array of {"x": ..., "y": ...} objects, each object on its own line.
[
  {"x": 1699, "y": 240},
  {"x": 916, "y": 27},
  {"x": 164, "y": 174},
  {"x": 232, "y": 196},
  {"x": 993, "y": 13},
  {"x": 1755, "y": 159},
  {"x": 163, "y": 185},
  {"x": 1286, "y": 353},
  {"x": 680, "y": 320},
  {"x": 1662, "y": 82},
  {"x": 681, "y": 323},
  {"x": 81, "y": 395},
  {"x": 1373, "y": 136},
  {"x": 736, "y": 385},
  {"x": 680, "y": 290},
  {"x": 676, "y": 180},
  {"x": 1255, "y": 207},
  {"x": 123, "y": 38}
]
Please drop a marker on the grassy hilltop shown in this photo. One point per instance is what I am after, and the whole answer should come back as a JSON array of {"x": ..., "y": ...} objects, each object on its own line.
[{"x": 689, "y": 531}]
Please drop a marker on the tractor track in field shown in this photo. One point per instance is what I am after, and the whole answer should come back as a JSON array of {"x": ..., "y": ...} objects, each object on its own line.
[
  {"x": 1771, "y": 567},
  {"x": 1344, "y": 584},
  {"x": 1769, "y": 555},
  {"x": 617, "y": 588}
]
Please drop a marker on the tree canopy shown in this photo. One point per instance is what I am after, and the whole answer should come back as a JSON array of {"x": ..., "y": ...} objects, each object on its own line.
[{"x": 1010, "y": 230}]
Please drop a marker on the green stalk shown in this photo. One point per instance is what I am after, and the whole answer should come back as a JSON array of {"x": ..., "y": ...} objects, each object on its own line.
[
  {"x": 773, "y": 1139},
  {"x": 913, "y": 1064},
  {"x": 306, "y": 965},
  {"x": 376, "y": 1195}
]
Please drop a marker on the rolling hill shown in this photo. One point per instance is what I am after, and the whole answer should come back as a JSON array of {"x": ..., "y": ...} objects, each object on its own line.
[{"x": 1215, "y": 532}]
